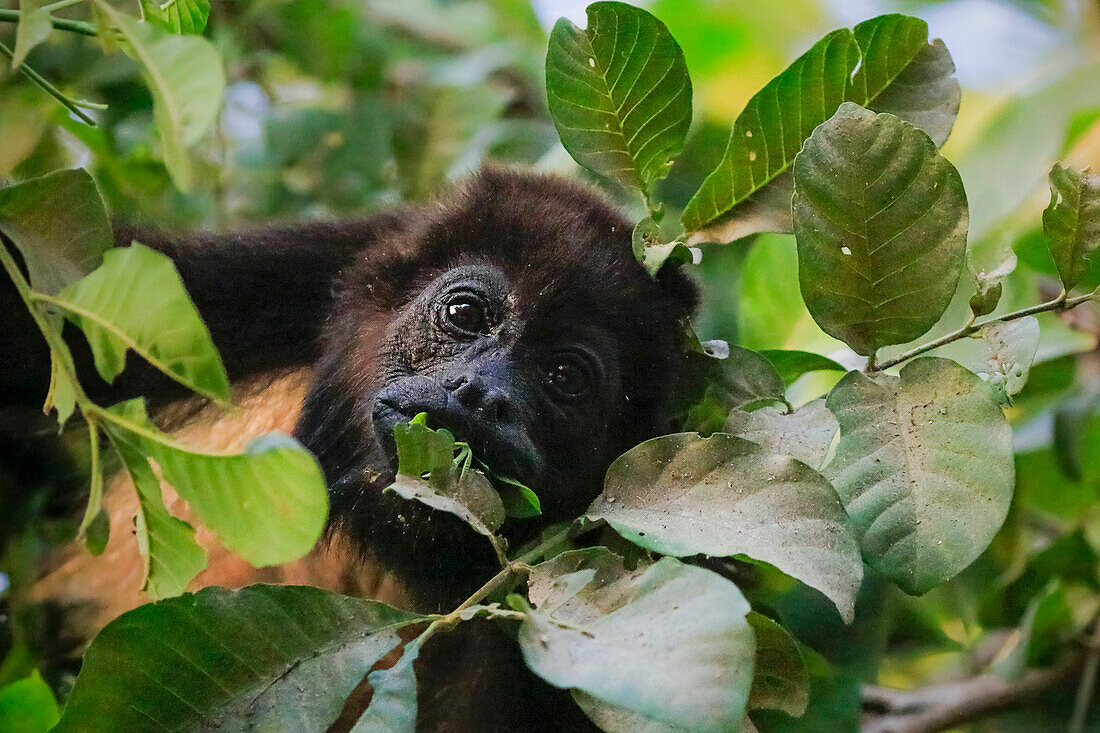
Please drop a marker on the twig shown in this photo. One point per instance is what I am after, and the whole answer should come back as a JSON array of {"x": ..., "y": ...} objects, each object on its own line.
[
  {"x": 61, "y": 24},
  {"x": 1088, "y": 683},
  {"x": 49, "y": 88},
  {"x": 1061, "y": 303},
  {"x": 939, "y": 707}
]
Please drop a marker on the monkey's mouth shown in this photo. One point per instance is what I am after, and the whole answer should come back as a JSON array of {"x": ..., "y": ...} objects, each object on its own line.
[{"x": 506, "y": 448}]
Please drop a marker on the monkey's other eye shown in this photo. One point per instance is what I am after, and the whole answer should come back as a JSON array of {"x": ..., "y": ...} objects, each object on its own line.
[
  {"x": 465, "y": 314},
  {"x": 569, "y": 375}
]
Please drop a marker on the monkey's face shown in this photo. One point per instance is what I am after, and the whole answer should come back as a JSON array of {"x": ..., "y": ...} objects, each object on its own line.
[{"x": 531, "y": 383}]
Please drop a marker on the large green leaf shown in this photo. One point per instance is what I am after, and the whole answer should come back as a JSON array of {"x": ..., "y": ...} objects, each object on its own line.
[
  {"x": 135, "y": 300},
  {"x": 272, "y": 658},
  {"x": 665, "y": 648},
  {"x": 186, "y": 78},
  {"x": 27, "y": 706},
  {"x": 857, "y": 66},
  {"x": 685, "y": 495},
  {"x": 169, "y": 552},
  {"x": 34, "y": 28},
  {"x": 880, "y": 218},
  {"x": 619, "y": 93},
  {"x": 924, "y": 467},
  {"x": 60, "y": 226},
  {"x": 268, "y": 504},
  {"x": 1072, "y": 222}
]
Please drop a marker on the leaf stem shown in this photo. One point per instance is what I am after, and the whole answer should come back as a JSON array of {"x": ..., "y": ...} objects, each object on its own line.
[
  {"x": 49, "y": 88},
  {"x": 61, "y": 24},
  {"x": 61, "y": 5},
  {"x": 1061, "y": 303}
]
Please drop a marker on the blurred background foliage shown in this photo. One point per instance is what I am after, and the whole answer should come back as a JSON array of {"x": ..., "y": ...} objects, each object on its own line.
[{"x": 343, "y": 108}]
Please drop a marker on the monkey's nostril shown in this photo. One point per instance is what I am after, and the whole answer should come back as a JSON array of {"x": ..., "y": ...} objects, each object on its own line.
[{"x": 453, "y": 383}]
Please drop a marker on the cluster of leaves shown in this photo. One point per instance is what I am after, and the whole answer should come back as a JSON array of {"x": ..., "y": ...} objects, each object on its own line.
[{"x": 910, "y": 473}]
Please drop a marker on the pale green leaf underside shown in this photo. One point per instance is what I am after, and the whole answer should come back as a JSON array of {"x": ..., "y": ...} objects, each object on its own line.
[
  {"x": 880, "y": 218},
  {"x": 1072, "y": 222},
  {"x": 273, "y": 658},
  {"x": 846, "y": 65},
  {"x": 269, "y": 504},
  {"x": 1009, "y": 349},
  {"x": 675, "y": 636},
  {"x": 34, "y": 28},
  {"x": 60, "y": 226},
  {"x": 471, "y": 498},
  {"x": 619, "y": 93},
  {"x": 685, "y": 495},
  {"x": 924, "y": 468},
  {"x": 167, "y": 544},
  {"x": 804, "y": 434},
  {"x": 136, "y": 300}
]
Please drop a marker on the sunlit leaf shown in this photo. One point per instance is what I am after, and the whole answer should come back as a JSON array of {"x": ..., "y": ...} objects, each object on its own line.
[
  {"x": 880, "y": 219},
  {"x": 136, "y": 301},
  {"x": 169, "y": 552},
  {"x": 792, "y": 364},
  {"x": 685, "y": 495},
  {"x": 805, "y": 433},
  {"x": 1072, "y": 221},
  {"x": 268, "y": 504},
  {"x": 860, "y": 67},
  {"x": 27, "y": 706},
  {"x": 1009, "y": 350},
  {"x": 185, "y": 75},
  {"x": 781, "y": 681},
  {"x": 264, "y": 658},
  {"x": 924, "y": 468},
  {"x": 619, "y": 93},
  {"x": 675, "y": 636},
  {"x": 60, "y": 226},
  {"x": 420, "y": 449},
  {"x": 34, "y": 28},
  {"x": 183, "y": 17}
]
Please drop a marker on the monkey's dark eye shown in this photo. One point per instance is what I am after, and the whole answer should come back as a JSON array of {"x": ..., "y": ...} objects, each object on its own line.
[
  {"x": 465, "y": 314},
  {"x": 569, "y": 376}
]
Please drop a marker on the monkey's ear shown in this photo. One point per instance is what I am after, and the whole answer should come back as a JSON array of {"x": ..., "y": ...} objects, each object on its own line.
[{"x": 681, "y": 291}]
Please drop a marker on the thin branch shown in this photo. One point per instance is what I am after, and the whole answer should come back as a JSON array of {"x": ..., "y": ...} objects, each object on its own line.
[
  {"x": 49, "y": 88},
  {"x": 61, "y": 24},
  {"x": 1087, "y": 685},
  {"x": 939, "y": 707},
  {"x": 1061, "y": 303}
]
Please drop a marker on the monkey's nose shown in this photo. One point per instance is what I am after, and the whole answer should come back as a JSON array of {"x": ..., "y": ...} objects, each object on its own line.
[{"x": 475, "y": 393}]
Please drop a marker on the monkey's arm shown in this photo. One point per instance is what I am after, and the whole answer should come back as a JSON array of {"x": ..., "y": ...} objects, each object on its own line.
[{"x": 264, "y": 295}]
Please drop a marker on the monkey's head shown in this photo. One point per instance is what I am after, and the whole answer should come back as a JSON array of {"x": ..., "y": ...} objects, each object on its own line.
[{"x": 515, "y": 315}]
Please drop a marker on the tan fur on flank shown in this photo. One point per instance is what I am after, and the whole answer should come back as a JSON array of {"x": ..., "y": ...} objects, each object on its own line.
[{"x": 95, "y": 590}]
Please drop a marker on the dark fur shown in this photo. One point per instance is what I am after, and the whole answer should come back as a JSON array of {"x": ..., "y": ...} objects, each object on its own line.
[{"x": 566, "y": 259}]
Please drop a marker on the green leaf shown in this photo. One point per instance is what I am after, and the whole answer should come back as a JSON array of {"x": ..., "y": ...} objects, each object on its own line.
[
  {"x": 136, "y": 300},
  {"x": 781, "y": 681},
  {"x": 519, "y": 500},
  {"x": 169, "y": 552},
  {"x": 880, "y": 218},
  {"x": 277, "y": 658},
  {"x": 34, "y": 28},
  {"x": 749, "y": 377},
  {"x": 185, "y": 75},
  {"x": 392, "y": 706},
  {"x": 804, "y": 434},
  {"x": 1072, "y": 221},
  {"x": 268, "y": 504},
  {"x": 792, "y": 364},
  {"x": 619, "y": 93},
  {"x": 1047, "y": 624},
  {"x": 924, "y": 468},
  {"x": 182, "y": 17},
  {"x": 420, "y": 449},
  {"x": 60, "y": 226},
  {"x": 988, "y": 284},
  {"x": 1009, "y": 351},
  {"x": 27, "y": 706},
  {"x": 675, "y": 636},
  {"x": 685, "y": 495},
  {"x": 843, "y": 66}
]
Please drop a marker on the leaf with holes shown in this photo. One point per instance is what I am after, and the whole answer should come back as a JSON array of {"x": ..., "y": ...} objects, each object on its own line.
[
  {"x": 1072, "y": 221},
  {"x": 886, "y": 64},
  {"x": 924, "y": 467},
  {"x": 619, "y": 93},
  {"x": 136, "y": 301},
  {"x": 880, "y": 218},
  {"x": 675, "y": 636},
  {"x": 686, "y": 495},
  {"x": 262, "y": 658},
  {"x": 276, "y": 484},
  {"x": 185, "y": 76}
]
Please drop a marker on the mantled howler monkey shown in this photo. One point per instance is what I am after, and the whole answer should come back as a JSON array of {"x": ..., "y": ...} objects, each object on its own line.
[{"x": 512, "y": 312}]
